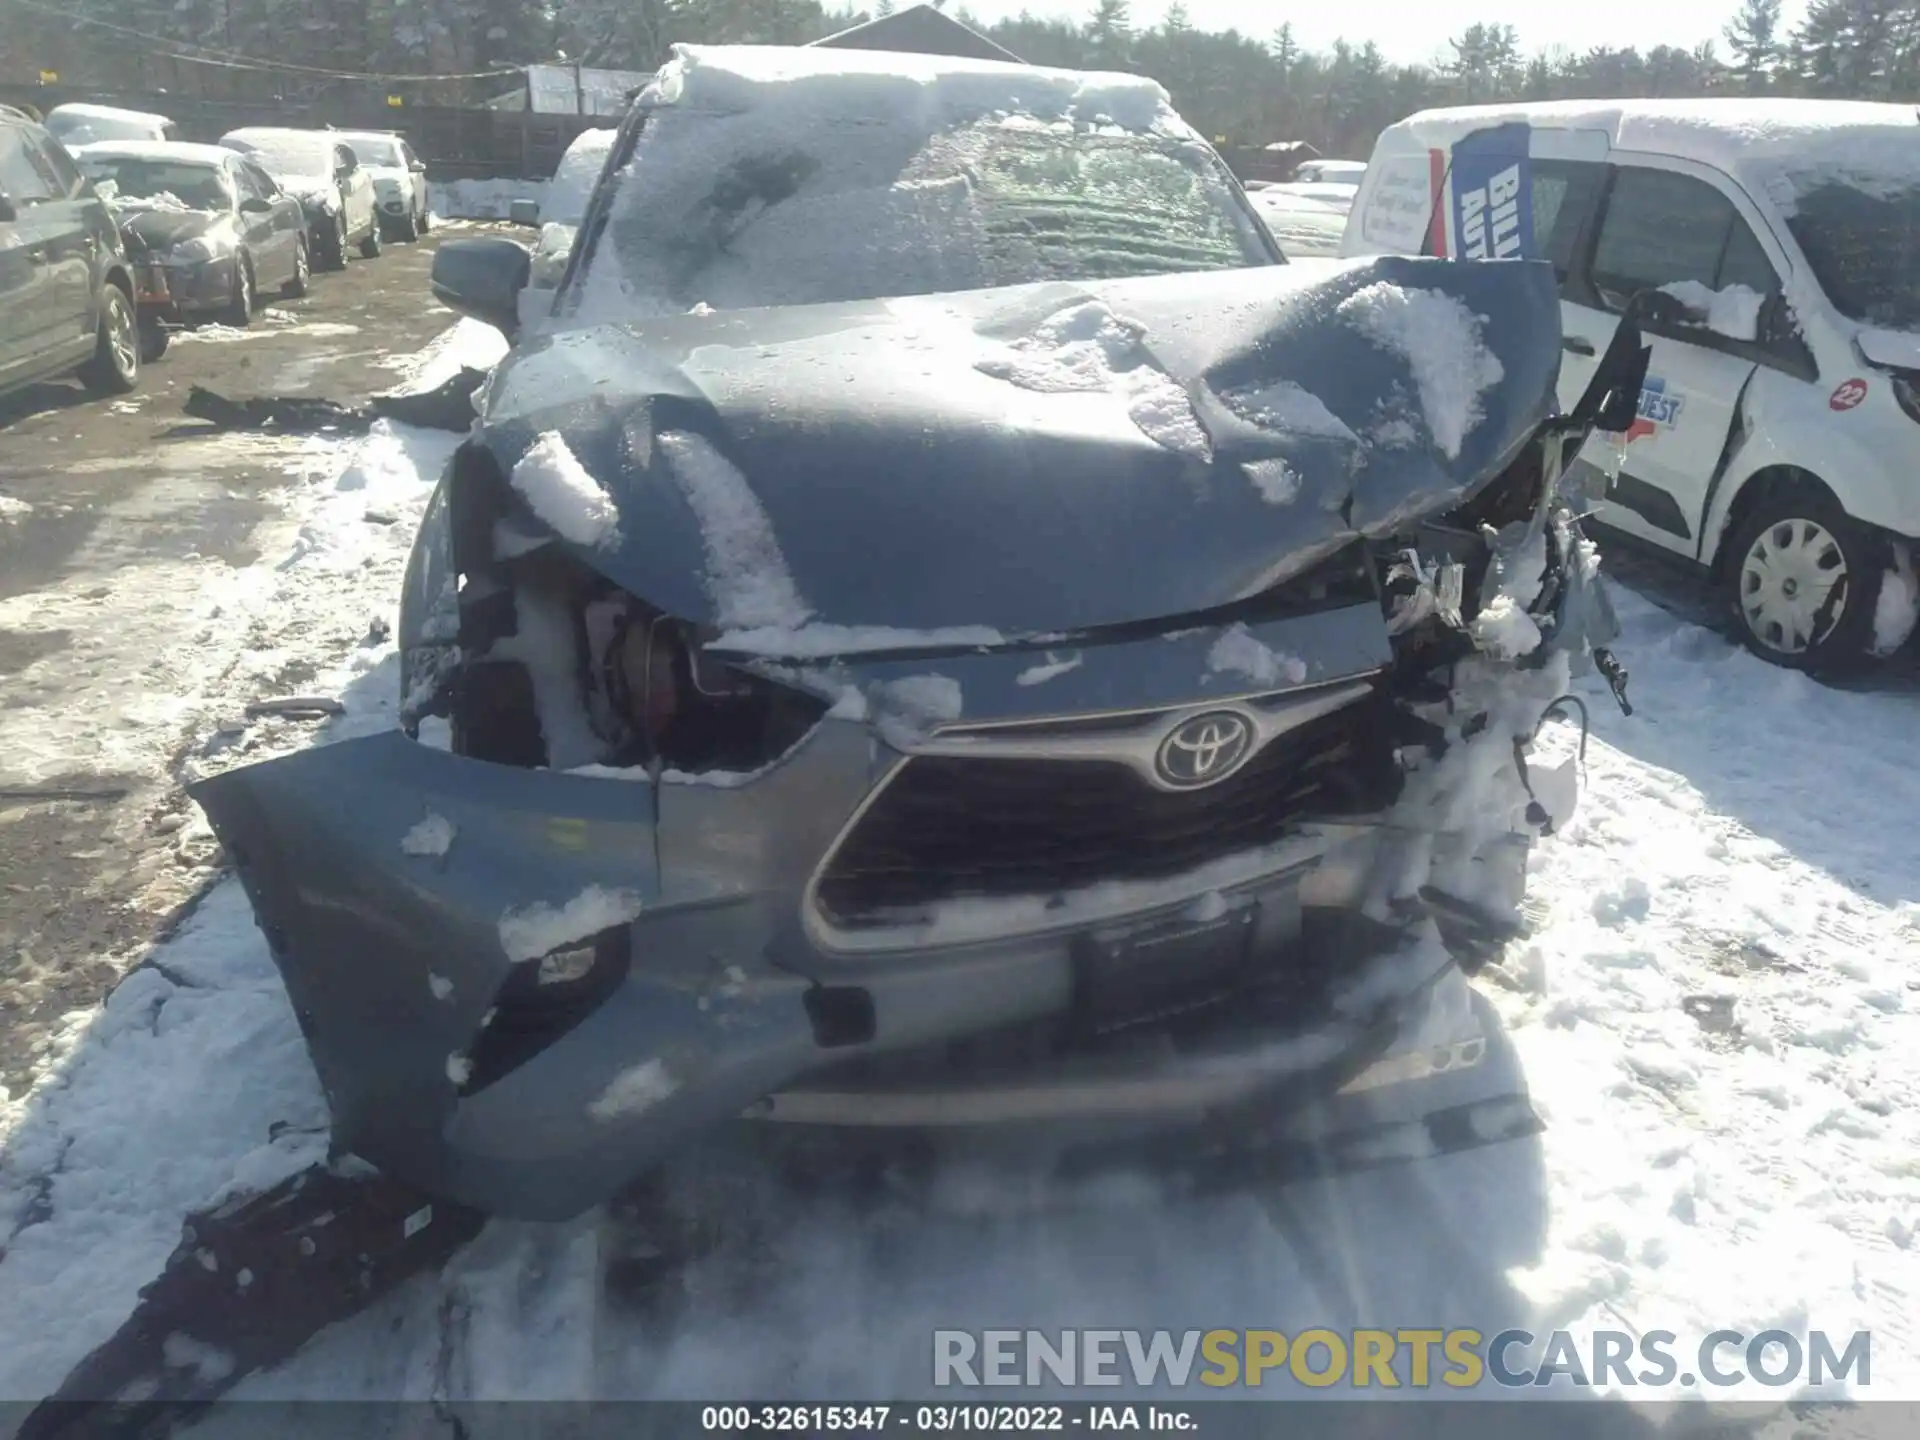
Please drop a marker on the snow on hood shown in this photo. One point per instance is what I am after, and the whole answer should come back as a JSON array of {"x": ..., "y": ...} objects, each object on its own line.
[{"x": 1039, "y": 458}]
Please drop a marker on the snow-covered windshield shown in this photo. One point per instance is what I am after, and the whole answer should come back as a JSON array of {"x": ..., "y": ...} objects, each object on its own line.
[
  {"x": 1862, "y": 238},
  {"x": 991, "y": 203},
  {"x": 762, "y": 178},
  {"x": 167, "y": 184},
  {"x": 287, "y": 153},
  {"x": 378, "y": 150},
  {"x": 89, "y": 127}
]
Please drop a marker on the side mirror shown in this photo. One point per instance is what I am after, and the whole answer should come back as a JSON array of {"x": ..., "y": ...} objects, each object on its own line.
[
  {"x": 524, "y": 212},
  {"x": 483, "y": 278},
  {"x": 9, "y": 212}
]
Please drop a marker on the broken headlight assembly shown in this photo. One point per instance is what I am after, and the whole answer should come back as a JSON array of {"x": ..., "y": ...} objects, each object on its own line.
[{"x": 657, "y": 699}]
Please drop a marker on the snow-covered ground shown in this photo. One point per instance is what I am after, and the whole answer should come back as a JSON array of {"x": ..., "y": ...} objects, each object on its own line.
[{"x": 1715, "y": 1012}]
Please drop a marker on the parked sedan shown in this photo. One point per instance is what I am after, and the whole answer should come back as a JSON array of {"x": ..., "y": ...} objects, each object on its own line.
[
  {"x": 399, "y": 182},
  {"x": 325, "y": 175},
  {"x": 206, "y": 229},
  {"x": 66, "y": 293},
  {"x": 79, "y": 124}
]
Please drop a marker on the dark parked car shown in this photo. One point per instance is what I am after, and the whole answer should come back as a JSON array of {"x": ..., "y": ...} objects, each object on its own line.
[
  {"x": 206, "y": 228},
  {"x": 942, "y": 628},
  {"x": 326, "y": 177},
  {"x": 66, "y": 290}
]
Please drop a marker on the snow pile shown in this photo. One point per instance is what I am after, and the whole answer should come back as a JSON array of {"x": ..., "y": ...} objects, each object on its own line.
[
  {"x": 160, "y": 200},
  {"x": 1086, "y": 347},
  {"x": 1439, "y": 337},
  {"x": 632, "y": 1091},
  {"x": 1283, "y": 405},
  {"x": 1237, "y": 652},
  {"x": 906, "y": 711},
  {"x": 562, "y": 493},
  {"x": 481, "y": 199},
  {"x": 13, "y": 509},
  {"x": 1898, "y": 608},
  {"x": 747, "y": 576},
  {"x": 1051, "y": 670},
  {"x": 1733, "y": 312},
  {"x": 539, "y": 929},
  {"x": 432, "y": 836},
  {"x": 1277, "y": 481}
]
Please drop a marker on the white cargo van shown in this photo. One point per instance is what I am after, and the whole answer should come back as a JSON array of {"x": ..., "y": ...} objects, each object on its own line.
[{"x": 1778, "y": 445}]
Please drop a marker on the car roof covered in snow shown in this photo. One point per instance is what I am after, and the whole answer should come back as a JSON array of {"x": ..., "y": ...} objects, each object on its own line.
[
  {"x": 179, "y": 151},
  {"x": 574, "y": 177},
  {"x": 80, "y": 110},
  {"x": 937, "y": 90},
  {"x": 1720, "y": 132}
]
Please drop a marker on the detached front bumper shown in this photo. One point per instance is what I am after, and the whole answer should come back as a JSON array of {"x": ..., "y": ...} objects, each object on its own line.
[{"x": 171, "y": 291}]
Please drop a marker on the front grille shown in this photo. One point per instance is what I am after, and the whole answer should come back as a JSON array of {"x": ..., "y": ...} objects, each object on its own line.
[{"x": 949, "y": 828}]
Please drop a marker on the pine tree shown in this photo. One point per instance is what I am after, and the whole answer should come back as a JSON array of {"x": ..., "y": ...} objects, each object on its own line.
[{"x": 1754, "y": 37}]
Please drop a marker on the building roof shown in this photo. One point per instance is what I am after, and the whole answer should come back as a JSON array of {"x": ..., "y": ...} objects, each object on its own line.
[{"x": 920, "y": 30}]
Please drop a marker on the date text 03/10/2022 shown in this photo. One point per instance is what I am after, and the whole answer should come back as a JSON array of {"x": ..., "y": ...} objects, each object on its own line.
[{"x": 940, "y": 1419}]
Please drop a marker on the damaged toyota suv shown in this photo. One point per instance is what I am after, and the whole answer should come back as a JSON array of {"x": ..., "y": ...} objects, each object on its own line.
[{"x": 942, "y": 628}]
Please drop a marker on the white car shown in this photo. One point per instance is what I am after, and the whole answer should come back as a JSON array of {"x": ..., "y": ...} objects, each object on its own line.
[
  {"x": 79, "y": 124},
  {"x": 399, "y": 181},
  {"x": 1334, "y": 172},
  {"x": 1772, "y": 246},
  {"x": 559, "y": 217},
  {"x": 1304, "y": 224},
  {"x": 325, "y": 175}
]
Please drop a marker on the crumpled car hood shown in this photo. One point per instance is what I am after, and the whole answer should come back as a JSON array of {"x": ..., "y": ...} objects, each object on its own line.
[
  {"x": 164, "y": 229},
  {"x": 1052, "y": 457}
]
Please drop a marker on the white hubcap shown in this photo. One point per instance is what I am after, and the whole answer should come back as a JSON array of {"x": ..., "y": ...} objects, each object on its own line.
[{"x": 1793, "y": 586}]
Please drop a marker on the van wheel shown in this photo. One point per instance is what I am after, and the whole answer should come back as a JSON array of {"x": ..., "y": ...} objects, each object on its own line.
[
  {"x": 406, "y": 228},
  {"x": 1805, "y": 577},
  {"x": 115, "y": 366}
]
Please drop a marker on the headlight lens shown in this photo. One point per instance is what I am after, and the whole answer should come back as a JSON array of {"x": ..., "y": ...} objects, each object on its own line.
[{"x": 192, "y": 252}]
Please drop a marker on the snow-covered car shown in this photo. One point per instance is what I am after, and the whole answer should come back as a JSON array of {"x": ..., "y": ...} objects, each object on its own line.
[
  {"x": 1305, "y": 225},
  {"x": 945, "y": 627},
  {"x": 1779, "y": 432},
  {"x": 399, "y": 182},
  {"x": 560, "y": 214},
  {"x": 324, "y": 174},
  {"x": 81, "y": 124},
  {"x": 206, "y": 231},
  {"x": 1335, "y": 172}
]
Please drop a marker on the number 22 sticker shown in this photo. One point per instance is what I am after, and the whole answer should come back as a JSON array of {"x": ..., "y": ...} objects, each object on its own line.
[{"x": 1848, "y": 395}]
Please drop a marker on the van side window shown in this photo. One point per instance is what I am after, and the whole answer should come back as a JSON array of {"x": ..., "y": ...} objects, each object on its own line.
[
  {"x": 58, "y": 167},
  {"x": 1564, "y": 194},
  {"x": 1661, "y": 228},
  {"x": 20, "y": 177}
]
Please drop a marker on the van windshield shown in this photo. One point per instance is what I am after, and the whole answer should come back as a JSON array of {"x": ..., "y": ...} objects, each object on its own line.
[
  {"x": 1864, "y": 246},
  {"x": 1853, "y": 204}
]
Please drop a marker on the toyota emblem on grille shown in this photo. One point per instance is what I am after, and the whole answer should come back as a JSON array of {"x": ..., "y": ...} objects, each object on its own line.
[{"x": 1204, "y": 750}]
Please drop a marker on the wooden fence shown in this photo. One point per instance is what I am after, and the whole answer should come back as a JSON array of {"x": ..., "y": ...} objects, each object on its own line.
[{"x": 456, "y": 143}]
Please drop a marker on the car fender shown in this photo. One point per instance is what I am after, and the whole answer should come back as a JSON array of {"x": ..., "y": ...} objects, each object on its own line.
[{"x": 1872, "y": 485}]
